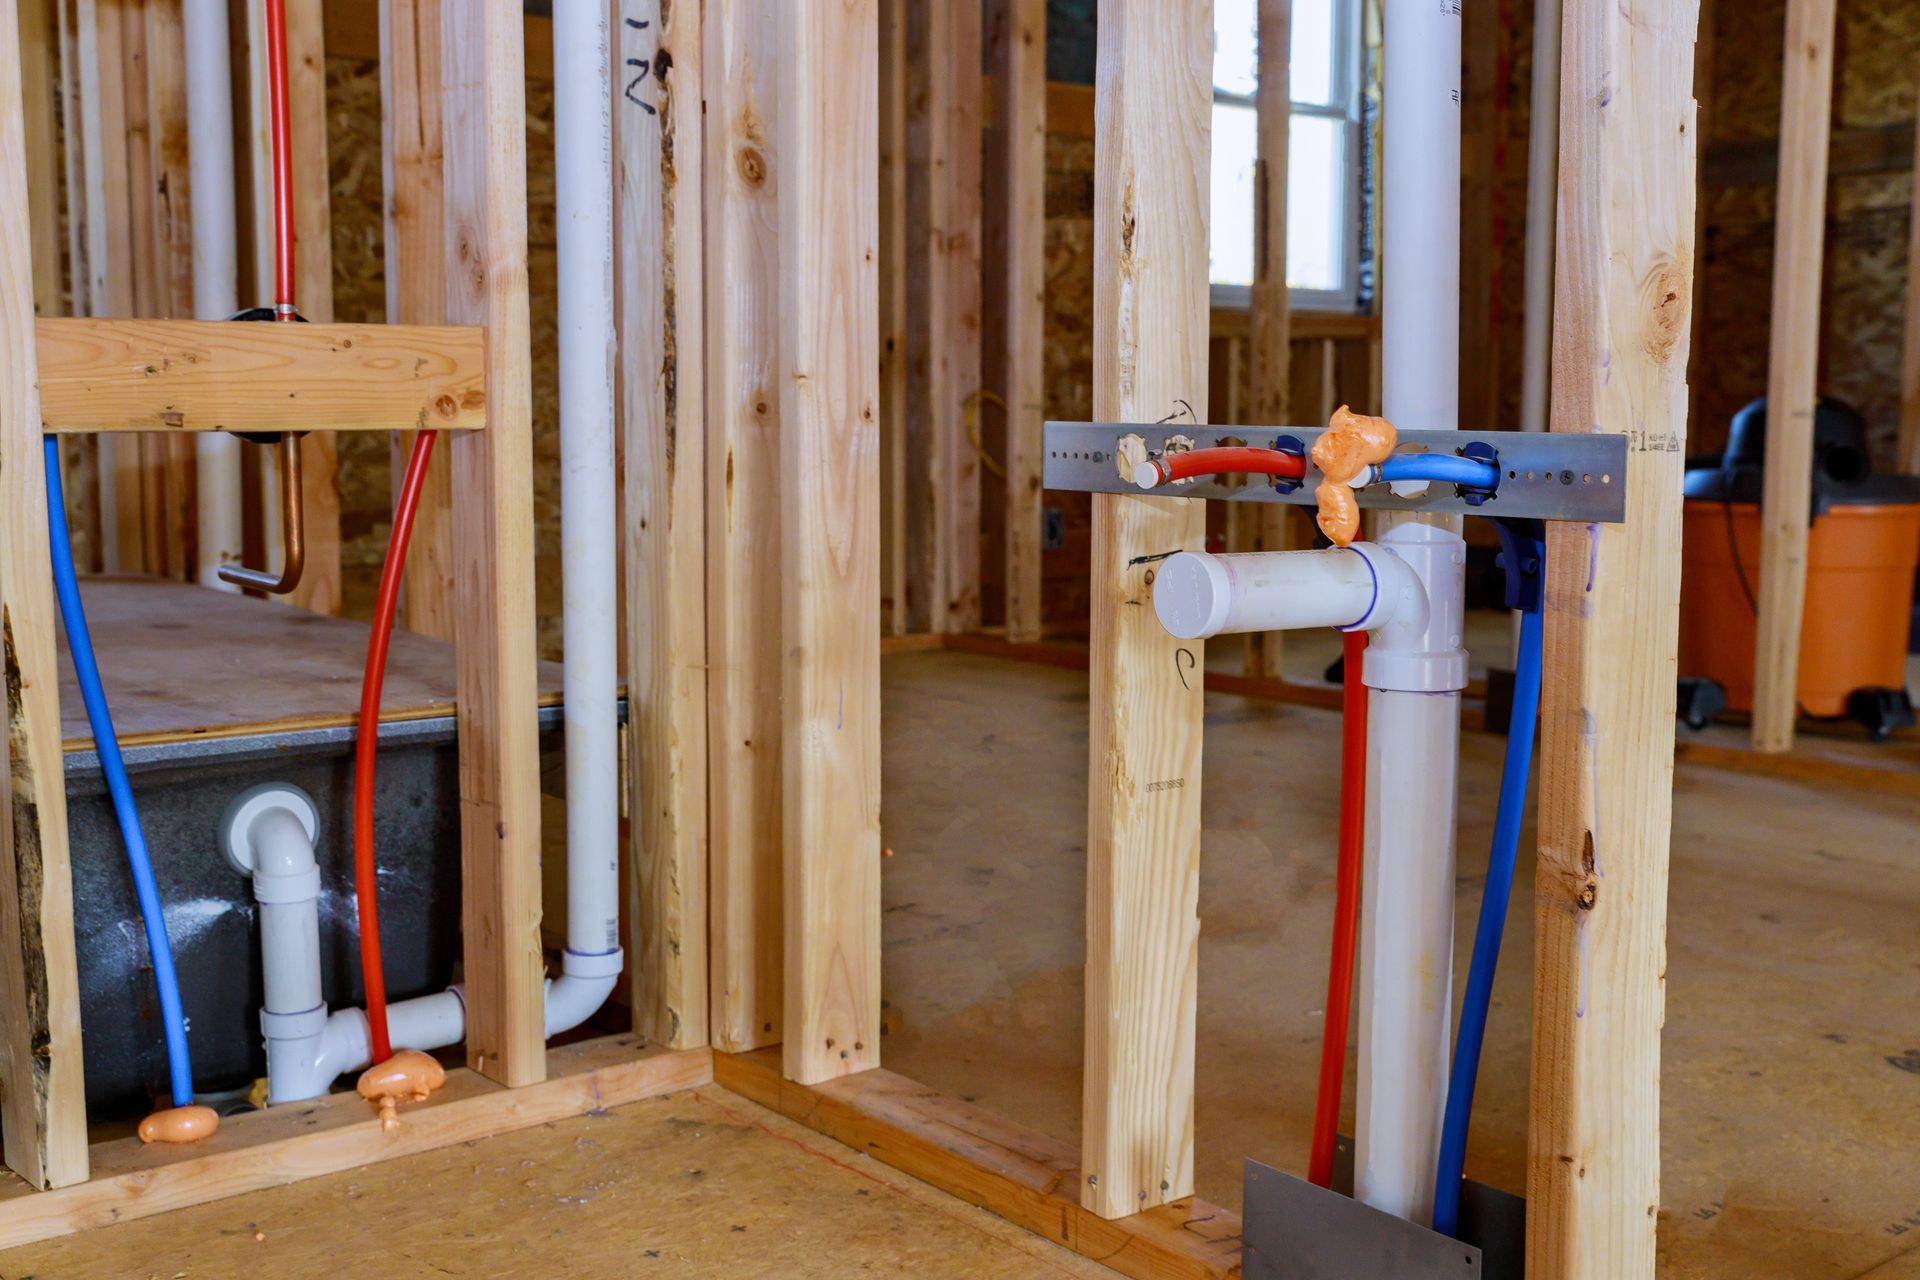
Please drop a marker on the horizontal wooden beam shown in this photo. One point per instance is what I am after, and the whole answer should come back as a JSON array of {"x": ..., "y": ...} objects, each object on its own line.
[
  {"x": 1030, "y": 1179},
  {"x": 340, "y": 1131},
  {"x": 195, "y": 375}
]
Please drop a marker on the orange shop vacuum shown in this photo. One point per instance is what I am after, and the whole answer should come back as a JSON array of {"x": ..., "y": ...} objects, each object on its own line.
[{"x": 1862, "y": 549}]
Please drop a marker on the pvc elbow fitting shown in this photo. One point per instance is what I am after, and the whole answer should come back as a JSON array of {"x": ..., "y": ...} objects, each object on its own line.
[{"x": 585, "y": 982}]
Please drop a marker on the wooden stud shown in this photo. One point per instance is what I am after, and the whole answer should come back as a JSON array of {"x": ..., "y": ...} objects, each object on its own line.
[
  {"x": 745, "y": 495},
  {"x": 196, "y": 375},
  {"x": 39, "y": 69},
  {"x": 484, "y": 113},
  {"x": 173, "y": 267},
  {"x": 943, "y": 345},
  {"x": 1793, "y": 360},
  {"x": 414, "y": 177},
  {"x": 1909, "y": 447},
  {"x": 1014, "y": 358},
  {"x": 657, "y": 210},
  {"x": 894, "y": 256},
  {"x": 319, "y": 588},
  {"x": 1154, "y": 86},
  {"x": 1270, "y": 343},
  {"x": 340, "y": 1132},
  {"x": 1622, "y": 281},
  {"x": 43, "y": 1118},
  {"x": 830, "y": 532}
]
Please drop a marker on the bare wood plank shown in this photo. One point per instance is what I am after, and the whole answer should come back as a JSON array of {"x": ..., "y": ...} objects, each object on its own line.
[
  {"x": 1015, "y": 355},
  {"x": 830, "y": 533},
  {"x": 198, "y": 375},
  {"x": 1622, "y": 283},
  {"x": 943, "y": 128},
  {"x": 657, "y": 234},
  {"x": 43, "y": 1118},
  {"x": 39, "y": 71},
  {"x": 1793, "y": 359},
  {"x": 173, "y": 245},
  {"x": 413, "y": 171},
  {"x": 1269, "y": 305},
  {"x": 319, "y": 588},
  {"x": 1027, "y": 1178},
  {"x": 273, "y": 1148},
  {"x": 745, "y": 494},
  {"x": 484, "y": 120},
  {"x": 894, "y": 250},
  {"x": 1908, "y": 457},
  {"x": 1155, "y": 91}
]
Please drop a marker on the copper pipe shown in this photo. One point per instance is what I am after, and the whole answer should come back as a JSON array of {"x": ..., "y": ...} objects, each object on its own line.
[{"x": 292, "y": 531}]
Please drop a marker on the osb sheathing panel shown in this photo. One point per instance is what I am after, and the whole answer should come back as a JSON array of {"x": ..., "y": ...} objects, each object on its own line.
[{"x": 353, "y": 109}]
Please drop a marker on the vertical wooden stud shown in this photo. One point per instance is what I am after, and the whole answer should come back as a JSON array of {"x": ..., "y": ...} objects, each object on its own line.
[
  {"x": 746, "y": 177},
  {"x": 1014, "y": 354},
  {"x": 319, "y": 588},
  {"x": 1271, "y": 316},
  {"x": 483, "y": 72},
  {"x": 39, "y": 71},
  {"x": 43, "y": 1117},
  {"x": 415, "y": 180},
  {"x": 1793, "y": 359},
  {"x": 1621, "y": 285},
  {"x": 1153, "y": 102},
  {"x": 893, "y": 315},
  {"x": 830, "y": 532},
  {"x": 658, "y": 236},
  {"x": 173, "y": 248}
]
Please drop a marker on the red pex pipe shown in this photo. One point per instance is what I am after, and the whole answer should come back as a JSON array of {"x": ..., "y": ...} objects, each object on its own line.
[
  {"x": 367, "y": 740},
  {"x": 280, "y": 115},
  {"x": 1226, "y": 460},
  {"x": 1346, "y": 909}
]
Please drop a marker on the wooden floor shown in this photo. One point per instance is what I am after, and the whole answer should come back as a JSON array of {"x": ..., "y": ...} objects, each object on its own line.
[
  {"x": 690, "y": 1185},
  {"x": 1792, "y": 1049}
]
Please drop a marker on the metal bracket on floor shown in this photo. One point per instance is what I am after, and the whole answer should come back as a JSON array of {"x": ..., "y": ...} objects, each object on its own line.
[
  {"x": 1543, "y": 475},
  {"x": 1297, "y": 1231}
]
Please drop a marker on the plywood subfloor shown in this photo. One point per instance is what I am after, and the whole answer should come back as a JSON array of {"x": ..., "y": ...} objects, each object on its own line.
[
  {"x": 182, "y": 661},
  {"x": 691, "y": 1185},
  {"x": 1792, "y": 1044}
]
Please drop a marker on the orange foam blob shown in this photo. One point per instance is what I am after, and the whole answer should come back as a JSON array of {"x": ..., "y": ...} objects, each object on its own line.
[
  {"x": 407, "y": 1074},
  {"x": 1352, "y": 443},
  {"x": 179, "y": 1124}
]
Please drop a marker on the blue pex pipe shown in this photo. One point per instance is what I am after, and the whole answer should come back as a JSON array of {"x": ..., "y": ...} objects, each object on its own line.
[
  {"x": 80, "y": 643},
  {"x": 1444, "y": 468},
  {"x": 1493, "y": 922}
]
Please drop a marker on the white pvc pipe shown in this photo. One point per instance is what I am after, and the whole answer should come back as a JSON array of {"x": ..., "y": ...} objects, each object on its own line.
[
  {"x": 1415, "y": 669},
  {"x": 583, "y": 168},
  {"x": 268, "y": 833},
  {"x": 1198, "y": 595},
  {"x": 1420, "y": 221},
  {"x": 1543, "y": 182},
  {"x": 216, "y": 266}
]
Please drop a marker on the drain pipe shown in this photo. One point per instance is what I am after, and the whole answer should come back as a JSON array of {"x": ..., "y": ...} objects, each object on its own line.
[
  {"x": 268, "y": 833},
  {"x": 583, "y": 165},
  {"x": 216, "y": 267}
]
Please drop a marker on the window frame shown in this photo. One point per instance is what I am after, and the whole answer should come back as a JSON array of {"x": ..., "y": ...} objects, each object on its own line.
[{"x": 1346, "y": 108}]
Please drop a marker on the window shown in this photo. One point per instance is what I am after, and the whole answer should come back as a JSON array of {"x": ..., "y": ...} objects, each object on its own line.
[{"x": 1323, "y": 153}]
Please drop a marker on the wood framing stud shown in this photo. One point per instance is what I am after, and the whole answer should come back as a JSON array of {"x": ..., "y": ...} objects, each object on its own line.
[
  {"x": 200, "y": 375},
  {"x": 745, "y": 168},
  {"x": 1623, "y": 278},
  {"x": 1270, "y": 343},
  {"x": 1154, "y": 86},
  {"x": 1793, "y": 359},
  {"x": 662, "y": 407},
  {"x": 414, "y": 176},
  {"x": 43, "y": 1116},
  {"x": 830, "y": 533},
  {"x": 484, "y": 109}
]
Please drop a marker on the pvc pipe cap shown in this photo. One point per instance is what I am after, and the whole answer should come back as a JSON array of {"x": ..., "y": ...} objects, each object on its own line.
[
  {"x": 1192, "y": 594},
  {"x": 1147, "y": 475}
]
